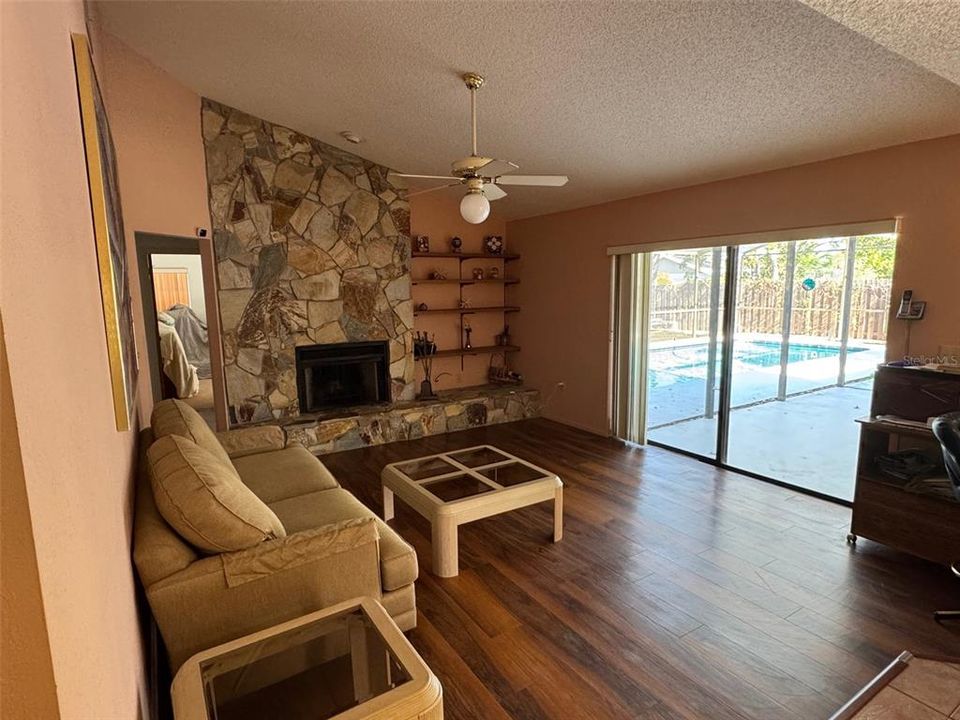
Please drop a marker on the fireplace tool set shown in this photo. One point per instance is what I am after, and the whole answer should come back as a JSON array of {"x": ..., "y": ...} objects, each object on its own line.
[{"x": 424, "y": 348}]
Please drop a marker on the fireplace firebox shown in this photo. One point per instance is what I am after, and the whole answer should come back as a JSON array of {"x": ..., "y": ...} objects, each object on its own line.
[{"x": 342, "y": 374}]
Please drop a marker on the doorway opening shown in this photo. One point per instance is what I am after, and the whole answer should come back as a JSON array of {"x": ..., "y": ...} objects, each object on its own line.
[{"x": 175, "y": 312}]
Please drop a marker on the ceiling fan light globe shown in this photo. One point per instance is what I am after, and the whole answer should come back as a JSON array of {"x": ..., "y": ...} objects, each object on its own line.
[{"x": 474, "y": 207}]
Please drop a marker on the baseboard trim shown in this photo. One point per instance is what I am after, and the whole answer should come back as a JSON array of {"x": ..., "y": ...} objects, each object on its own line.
[{"x": 579, "y": 426}]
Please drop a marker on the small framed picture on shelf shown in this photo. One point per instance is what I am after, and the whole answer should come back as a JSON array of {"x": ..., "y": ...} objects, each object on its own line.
[
  {"x": 421, "y": 244},
  {"x": 493, "y": 244}
]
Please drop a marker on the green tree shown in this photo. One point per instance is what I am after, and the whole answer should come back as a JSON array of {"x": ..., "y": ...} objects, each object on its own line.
[{"x": 875, "y": 256}]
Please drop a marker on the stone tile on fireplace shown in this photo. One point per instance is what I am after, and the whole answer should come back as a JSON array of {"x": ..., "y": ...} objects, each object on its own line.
[{"x": 312, "y": 245}]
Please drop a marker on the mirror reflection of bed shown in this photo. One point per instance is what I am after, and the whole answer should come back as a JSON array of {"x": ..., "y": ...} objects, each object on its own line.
[{"x": 182, "y": 331}]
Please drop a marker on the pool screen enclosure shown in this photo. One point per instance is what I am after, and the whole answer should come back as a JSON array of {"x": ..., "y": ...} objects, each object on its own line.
[{"x": 756, "y": 354}]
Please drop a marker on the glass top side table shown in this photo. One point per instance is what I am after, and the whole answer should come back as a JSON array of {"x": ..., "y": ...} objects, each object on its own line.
[{"x": 346, "y": 662}]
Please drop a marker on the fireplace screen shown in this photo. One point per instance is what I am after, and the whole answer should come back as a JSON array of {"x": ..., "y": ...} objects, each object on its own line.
[{"x": 342, "y": 374}]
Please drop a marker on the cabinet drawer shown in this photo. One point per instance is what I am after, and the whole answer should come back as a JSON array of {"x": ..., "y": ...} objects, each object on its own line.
[{"x": 924, "y": 526}]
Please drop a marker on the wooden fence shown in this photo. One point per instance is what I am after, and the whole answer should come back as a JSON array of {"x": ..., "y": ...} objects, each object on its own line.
[{"x": 684, "y": 310}]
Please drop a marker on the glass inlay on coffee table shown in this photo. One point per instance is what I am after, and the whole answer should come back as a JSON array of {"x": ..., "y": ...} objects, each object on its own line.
[
  {"x": 346, "y": 662},
  {"x": 453, "y": 488}
]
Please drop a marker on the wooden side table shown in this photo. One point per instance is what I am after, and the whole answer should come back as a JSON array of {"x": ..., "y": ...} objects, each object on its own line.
[{"x": 347, "y": 662}]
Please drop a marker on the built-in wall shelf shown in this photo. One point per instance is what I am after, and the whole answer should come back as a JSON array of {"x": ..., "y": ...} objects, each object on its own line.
[
  {"x": 467, "y": 256},
  {"x": 468, "y": 281},
  {"x": 467, "y": 311},
  {"x": 495, "y": 302},
  {"x": 488, "y": 349}
]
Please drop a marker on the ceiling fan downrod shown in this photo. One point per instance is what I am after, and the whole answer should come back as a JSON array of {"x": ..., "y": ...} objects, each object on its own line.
[{"x": 473, "y": 82}]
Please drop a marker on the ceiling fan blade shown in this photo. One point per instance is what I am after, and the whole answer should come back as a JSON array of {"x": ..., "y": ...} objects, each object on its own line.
[
  {"x": 433, "y": 189},
  {"x": 492, "y": 192},
  {"x": 495, "y": 168},
  {"x": 424, "y": 177},
  {"x": 538, "y": 180}
]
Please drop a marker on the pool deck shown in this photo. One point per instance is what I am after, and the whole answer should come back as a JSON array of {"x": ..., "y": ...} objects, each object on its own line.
[{"x": 809, "y": 440}]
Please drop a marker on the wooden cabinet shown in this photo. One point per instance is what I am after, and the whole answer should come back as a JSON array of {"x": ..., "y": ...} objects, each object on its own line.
[{"x": 923, "y": 524}]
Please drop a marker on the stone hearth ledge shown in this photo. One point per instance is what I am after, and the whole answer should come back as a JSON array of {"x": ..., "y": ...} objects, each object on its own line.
[{"x": 460, "y": 409}]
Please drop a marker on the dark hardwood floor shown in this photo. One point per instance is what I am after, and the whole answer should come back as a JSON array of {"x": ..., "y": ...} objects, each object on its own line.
[{"x": 678, "y": 591}]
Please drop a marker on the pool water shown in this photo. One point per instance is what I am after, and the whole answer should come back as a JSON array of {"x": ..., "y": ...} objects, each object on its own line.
[{"x": 668, "y": 365}]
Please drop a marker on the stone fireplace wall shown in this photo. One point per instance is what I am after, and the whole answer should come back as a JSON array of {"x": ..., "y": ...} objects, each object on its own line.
[{"x": 312, "y": 246}]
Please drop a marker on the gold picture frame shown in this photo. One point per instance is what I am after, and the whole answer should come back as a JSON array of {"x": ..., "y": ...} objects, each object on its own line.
[{"x": 109, "y": 236}]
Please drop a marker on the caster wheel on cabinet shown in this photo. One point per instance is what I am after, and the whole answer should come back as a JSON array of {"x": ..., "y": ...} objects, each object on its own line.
[{"x": 851, "y": 539}]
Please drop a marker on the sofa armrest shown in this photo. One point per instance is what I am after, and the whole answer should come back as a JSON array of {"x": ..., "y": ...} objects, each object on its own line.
[
  {"x": 223, "y": 597},
  {"x": 267, "y": 558},
  {"x": 252, "y": 440}
]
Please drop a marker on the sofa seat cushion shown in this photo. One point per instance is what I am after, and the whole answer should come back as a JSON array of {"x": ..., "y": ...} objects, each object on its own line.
[
  {"x": 175, "y": 417},
  {"x": 282, "y": 474},
  {"x": 204, "y": 502},
  {"x": 398, "y": 561}
]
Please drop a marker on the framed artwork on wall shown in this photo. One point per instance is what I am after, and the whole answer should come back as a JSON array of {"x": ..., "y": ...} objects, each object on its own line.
[{"x": 108, "y": 235}]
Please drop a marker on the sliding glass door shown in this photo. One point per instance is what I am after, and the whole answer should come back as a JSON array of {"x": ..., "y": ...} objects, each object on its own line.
[
  {"x": 761, "y": 356},
  {"x": 684, "y": 348},
  {"x": 804, "y": 353}
]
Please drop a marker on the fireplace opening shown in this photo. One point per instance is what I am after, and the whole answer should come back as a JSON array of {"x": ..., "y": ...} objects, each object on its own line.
[{"x": 342, "y": 374}]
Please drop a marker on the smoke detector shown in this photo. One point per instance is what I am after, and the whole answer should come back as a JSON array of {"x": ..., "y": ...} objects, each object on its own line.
[{"x": 351, "y": 136}]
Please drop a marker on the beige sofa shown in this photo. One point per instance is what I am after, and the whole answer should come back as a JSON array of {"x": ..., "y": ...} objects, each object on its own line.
[{"x": 334, "y": 549}]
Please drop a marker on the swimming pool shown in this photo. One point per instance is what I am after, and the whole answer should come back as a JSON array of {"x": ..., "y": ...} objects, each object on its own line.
[
  {"x": 669, "y": 364},
  {"x": 677, "y": 374}
]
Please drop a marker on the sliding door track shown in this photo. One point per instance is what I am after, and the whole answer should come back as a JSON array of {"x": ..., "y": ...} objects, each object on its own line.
[{"x": 756, "y": 476}]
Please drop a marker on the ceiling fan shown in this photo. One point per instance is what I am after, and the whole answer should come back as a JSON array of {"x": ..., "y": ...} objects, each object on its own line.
[{"x": 482, "y": 176}]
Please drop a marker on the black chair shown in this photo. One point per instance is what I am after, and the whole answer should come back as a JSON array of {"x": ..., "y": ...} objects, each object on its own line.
[{"x": 947, "y": 430}]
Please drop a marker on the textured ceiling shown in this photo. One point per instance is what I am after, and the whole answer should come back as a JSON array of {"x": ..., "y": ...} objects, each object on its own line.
[
  {"x": 623, "y": 97},
  {"x": 926, "y": 32}
]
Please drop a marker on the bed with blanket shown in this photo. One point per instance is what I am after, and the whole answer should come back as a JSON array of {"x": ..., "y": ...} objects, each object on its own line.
[
  {"x": 176, "y": 365},
  {"x": 184, "y": 348}
]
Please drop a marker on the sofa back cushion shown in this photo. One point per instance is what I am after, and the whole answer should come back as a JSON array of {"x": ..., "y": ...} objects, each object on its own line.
[
  {"x": 204, "y": 502},
  {"x": 175, "y": 417},
  {"x": 158, "y": 550}
]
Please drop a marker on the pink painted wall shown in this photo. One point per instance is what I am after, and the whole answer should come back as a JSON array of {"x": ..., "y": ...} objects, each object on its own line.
[
  {"x": 437, "y": 215},
  {"x": 565, "y": 294},
  {"x": 27, "y": 687},
  {"x": 77, "y": 469},
  {"x": 155, "y": 123}
]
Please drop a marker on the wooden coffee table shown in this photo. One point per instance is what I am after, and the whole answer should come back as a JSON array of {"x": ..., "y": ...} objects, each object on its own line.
[{"x": 453, "y": 488}]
